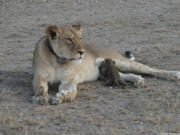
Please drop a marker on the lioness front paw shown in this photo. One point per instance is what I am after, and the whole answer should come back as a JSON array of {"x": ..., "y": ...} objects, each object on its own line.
[
  {"x": 40, "y": 100},
  {"x": 55, "y": 100}
]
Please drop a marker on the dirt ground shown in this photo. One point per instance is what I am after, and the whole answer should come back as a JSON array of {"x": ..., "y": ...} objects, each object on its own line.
[{"x": 151, "y": 27}]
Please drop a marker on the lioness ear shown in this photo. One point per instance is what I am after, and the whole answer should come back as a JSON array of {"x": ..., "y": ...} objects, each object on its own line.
[
  {"x": 78, "y": 28},
  {"x": 53, "y": 31}
]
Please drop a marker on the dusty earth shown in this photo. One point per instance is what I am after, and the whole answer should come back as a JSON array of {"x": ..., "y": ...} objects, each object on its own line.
[{"x": 151, "y": 27}]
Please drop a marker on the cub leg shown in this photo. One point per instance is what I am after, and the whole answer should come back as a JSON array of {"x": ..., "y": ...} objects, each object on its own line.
[
  {"x": 67, "y": 92},
  {"x": 40, "y": 86}
]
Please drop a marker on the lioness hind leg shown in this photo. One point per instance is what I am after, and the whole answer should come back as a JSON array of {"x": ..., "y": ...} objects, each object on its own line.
[
  {"x": 138, "y": 68},
  {"x": 137, "y": 80},
  {"x": 67, "y": 92},
  {"x": 40, "y": 87}
]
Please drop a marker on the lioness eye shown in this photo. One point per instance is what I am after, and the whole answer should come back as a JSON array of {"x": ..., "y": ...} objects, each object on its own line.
[{"x": 69, "y": 40}]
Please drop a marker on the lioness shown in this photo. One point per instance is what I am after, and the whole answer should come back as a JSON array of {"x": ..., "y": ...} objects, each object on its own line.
[{"x": 61, "y": 56}]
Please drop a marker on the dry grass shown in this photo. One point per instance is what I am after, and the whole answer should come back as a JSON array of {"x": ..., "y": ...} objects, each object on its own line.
[
  {"x": 5, "y": 118},
  {"x": 160, "y": 30},
  {"x": 58, "y": 115},
  {"x": 122, "y": 125},
  {"x": 16, "y": 126}
]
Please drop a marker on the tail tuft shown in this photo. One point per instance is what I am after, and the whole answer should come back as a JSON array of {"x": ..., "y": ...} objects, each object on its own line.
[{"x": 129, "y": 55}]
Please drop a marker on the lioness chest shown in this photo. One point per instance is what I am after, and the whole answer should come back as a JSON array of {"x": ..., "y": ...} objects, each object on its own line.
[{"x": 86, "y": 71}]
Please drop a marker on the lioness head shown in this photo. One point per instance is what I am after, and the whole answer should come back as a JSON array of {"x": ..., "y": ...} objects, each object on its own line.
[{"x": 66, "y": 42}]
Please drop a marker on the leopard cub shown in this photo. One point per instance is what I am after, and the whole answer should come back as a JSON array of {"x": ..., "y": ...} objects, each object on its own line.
[{"x": 109, "y": 73}]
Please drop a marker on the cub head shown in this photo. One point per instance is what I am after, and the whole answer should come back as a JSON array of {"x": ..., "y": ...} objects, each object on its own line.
[
  {"x": 106, "y": 65},
  {"x": 109, "y": 62},
  {"x": 66, "y": 41}
]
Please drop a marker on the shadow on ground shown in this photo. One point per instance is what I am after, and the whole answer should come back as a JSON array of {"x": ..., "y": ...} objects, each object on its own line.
[{"x": 15, "y": 83}]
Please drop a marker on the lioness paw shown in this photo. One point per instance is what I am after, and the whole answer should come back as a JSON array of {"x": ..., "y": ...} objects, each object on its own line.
[
  {"x": 177, "y": 75},
  {"x": 55, "y": 100},
  {"x": 174, "y": 75},
  {"x": 40, "y": 100},
  {"x": 140, "y": 83}
]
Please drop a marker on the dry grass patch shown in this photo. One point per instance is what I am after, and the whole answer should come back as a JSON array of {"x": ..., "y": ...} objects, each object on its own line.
[
  {"x": 5, "y": 118},
  {"x": 16, "y": 125},
  {"x": 136, "y": 118},
  {"x": 160, "y": 30},
  {"x": 32, "y": 122},
  {"x": 122, "y": 125},
  {"x": 154, "y": 120},
  {"x": 58, "y": 115},
  {"x": 143, "y": 131}
]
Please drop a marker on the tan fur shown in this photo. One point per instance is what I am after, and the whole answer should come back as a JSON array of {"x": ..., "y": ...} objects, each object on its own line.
[{"x": 67, "y": 42}]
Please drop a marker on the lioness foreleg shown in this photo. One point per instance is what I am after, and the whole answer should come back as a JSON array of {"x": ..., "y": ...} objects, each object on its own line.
[
  {"x": 40, "y": 86},
  {"x": 67, "y": 92}
]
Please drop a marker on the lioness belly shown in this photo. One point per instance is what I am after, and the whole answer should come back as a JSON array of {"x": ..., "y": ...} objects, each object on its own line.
[
  {"x": 89, "y": 73},
  {"x": 89, "y": 70},
  {"x": 86, "y": 71}
]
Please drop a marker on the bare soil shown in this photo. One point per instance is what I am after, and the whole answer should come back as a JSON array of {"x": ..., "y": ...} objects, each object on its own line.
[{"x": 151, "y": 27}]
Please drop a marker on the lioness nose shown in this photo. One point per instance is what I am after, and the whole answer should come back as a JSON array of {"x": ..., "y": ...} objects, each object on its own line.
[{"x": 81, "y": 52}]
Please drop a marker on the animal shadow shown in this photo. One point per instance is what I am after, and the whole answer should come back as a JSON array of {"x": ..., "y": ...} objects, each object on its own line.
[{"x": 15, "y": 84}]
